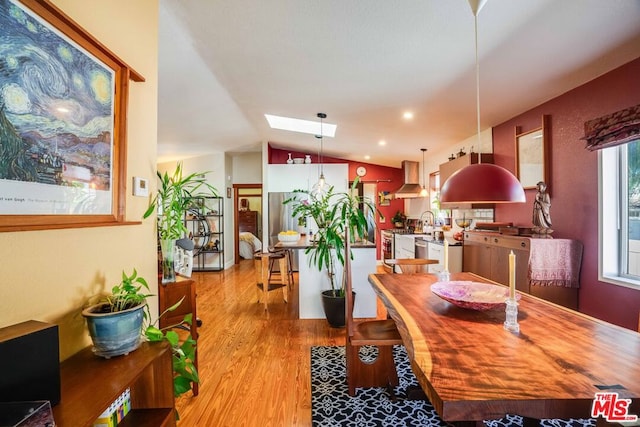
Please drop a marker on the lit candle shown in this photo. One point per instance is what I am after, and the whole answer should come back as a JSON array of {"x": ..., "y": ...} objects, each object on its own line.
[
  {"x": 512, "y": 275},
  {"x": 446, "y": 255}
]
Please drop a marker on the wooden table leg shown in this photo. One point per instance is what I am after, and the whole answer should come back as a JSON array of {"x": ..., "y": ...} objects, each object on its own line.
[
  {"x": 284, "y": 277},
  {"x": 265, "y": 280}
]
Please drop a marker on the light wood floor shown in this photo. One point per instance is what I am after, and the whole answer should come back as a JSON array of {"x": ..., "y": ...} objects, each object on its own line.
[{"x": 254, "y": 365}]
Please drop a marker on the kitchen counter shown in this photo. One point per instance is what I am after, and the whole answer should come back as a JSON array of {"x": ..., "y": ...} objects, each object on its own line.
[
  {"x": 423, "y": 236},
  {"x": 452, "y": 242},
  {"x": 312, "y": 282},
  {"x": 304, "y": 242}
]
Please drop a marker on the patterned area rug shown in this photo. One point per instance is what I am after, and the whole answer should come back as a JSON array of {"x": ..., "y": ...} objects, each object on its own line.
[{"x": 332, "y": 406}]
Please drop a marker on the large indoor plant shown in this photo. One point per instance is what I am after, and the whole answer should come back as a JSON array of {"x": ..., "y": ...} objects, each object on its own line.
[
  {"x": 175, "y": 196},
  {"x": 333, "y": 213}
]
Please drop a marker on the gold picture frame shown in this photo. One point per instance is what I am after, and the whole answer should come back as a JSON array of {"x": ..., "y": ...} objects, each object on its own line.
[
  {"x": 71, "y": 155},
  {"x": 532, "y": 152}
]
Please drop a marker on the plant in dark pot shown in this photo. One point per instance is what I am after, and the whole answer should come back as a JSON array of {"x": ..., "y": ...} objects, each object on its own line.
[
  {"x": 333, "y": 213},
  {"x": 175, "y": 196}
]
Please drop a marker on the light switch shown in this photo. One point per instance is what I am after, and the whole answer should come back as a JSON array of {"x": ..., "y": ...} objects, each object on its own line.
[{"x": 140, "y": 187}]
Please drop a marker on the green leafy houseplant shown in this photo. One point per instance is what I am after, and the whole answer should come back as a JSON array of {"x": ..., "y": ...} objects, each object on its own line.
[
  {"x": 175, "y": 196},
  {"x": 115, "y": 321},
  {"x": 333, "y": 213},
  {"x": 128, "y": 293},
  {"x": 183, "y": 352},
  {"x": 398, "y": 219},
  {"x": 132, "y": 293}
]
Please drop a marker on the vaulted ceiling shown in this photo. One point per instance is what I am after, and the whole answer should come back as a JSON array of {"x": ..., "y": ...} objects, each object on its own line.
[{"x": 224, "y": 64}]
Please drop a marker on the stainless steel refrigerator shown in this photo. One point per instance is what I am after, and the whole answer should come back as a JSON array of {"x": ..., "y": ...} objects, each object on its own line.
[{"x": 281, "y": 219}]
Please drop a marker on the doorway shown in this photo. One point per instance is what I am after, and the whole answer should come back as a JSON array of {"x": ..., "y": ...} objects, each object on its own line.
[{"x": 247, "y": 217}]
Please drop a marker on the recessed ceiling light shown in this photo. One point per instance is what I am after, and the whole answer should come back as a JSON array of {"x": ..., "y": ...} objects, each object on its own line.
[
  {"x": 367, "y": 157},
  {"x": 407, "y": 115},
  {"x": 382, "y": 142},
  {"x": 303, "y": 126}
]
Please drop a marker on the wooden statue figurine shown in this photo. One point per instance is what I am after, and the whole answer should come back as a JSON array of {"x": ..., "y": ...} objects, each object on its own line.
[{"x": 541, "y": 214}]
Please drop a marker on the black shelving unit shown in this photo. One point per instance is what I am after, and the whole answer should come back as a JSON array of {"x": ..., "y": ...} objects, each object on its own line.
[{"x": 205, "y": 225}]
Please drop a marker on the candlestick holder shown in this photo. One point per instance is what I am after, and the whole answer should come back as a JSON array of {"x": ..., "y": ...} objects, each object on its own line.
[
  {"x": 444, "y": 276},
  {"x": 511, "y": 322}
]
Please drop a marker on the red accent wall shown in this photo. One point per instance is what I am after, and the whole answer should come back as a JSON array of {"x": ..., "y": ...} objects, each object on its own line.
[
  {"x": 573, "y": 184},
  {"x": 374, "y": 173}
]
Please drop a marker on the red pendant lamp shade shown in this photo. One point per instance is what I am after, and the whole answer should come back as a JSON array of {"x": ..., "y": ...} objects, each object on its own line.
[{"x": 482, "y": 183}]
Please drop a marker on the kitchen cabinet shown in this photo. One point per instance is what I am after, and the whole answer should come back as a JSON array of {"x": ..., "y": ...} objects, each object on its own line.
[
  {"x": 435, "y": 250},
  {"x": 487, "y": 255},
  {"x": 286, "y": 178},
  {"x": 449, "y": 168},
  {"x": 405, "y": 247}
]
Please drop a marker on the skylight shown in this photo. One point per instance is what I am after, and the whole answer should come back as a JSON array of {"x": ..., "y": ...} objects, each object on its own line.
[{"x": 298, "y": 125}]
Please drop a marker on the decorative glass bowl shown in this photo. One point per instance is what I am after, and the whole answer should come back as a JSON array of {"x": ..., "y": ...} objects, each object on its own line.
[
  {"x": 288, "y": 236},
  {"x": 472, "y": 295}
]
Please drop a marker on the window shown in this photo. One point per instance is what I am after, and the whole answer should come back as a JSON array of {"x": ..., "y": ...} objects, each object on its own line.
[{"x": 619, "y": 216}]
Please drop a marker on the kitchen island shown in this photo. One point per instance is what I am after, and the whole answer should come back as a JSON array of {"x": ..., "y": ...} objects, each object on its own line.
[{"x": 312, "y": 281}]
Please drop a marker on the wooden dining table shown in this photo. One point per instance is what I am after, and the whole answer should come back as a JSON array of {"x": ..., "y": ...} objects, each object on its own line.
[{"x": 472, "y": 369}]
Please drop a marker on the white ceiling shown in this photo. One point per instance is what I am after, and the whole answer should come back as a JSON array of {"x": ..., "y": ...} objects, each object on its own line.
[{"x": 224, "y": 64}]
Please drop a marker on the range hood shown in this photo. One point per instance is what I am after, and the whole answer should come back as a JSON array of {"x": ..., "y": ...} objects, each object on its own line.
[{"x": 411, "y": 187}]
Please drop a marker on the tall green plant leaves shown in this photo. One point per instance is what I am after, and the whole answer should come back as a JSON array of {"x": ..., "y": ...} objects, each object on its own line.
[
  {"x": 333, "y": 213},
  {"x": 174, "y": 197}
]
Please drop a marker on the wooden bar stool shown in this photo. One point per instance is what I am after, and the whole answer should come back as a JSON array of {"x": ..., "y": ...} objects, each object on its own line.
[
  {"x": 262, "y": 261},
  {"x": 288, "y": 255}
]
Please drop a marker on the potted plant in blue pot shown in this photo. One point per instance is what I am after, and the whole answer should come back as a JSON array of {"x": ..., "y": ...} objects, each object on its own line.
[
  {"x": 120, "y": 321},
  {"x": 115, "y": 321}
]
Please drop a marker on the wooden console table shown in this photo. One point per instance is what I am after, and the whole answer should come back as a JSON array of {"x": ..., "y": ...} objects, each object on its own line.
[{"x": 89, "y": 384}]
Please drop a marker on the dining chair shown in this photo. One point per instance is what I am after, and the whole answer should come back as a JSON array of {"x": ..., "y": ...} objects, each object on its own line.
[
  {"x": 383, "y": 334},
  {"x": 262, "y": 261},
  {"x": 411, "y": 265}
]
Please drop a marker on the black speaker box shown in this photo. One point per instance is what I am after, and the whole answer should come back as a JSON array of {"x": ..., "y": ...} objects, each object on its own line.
[{"x": 29, "y": 351}]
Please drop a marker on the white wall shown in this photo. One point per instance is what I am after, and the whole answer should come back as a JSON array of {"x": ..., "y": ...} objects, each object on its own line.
[{"x": 247, "y": 168}]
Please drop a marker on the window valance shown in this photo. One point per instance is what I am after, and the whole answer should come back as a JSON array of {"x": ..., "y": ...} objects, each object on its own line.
[{"x": 613, "y": 129}]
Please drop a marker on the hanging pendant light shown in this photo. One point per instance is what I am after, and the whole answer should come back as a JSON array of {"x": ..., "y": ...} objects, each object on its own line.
[
  {"x": 423, "y": 192},
  {"x": 321, "y": 187},
  {"x": 481, "y": 182}
]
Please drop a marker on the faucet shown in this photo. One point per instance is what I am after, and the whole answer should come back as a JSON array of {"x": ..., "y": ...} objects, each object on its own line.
[{"x": 433, "y": 217}]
